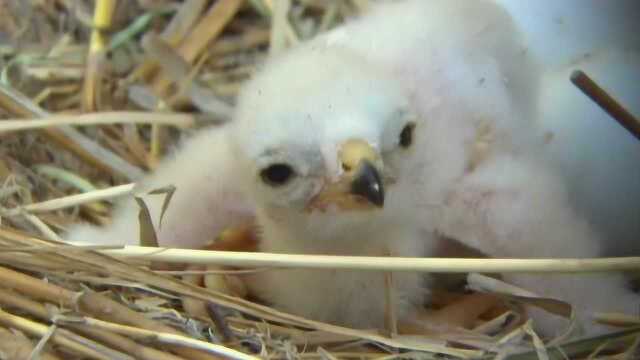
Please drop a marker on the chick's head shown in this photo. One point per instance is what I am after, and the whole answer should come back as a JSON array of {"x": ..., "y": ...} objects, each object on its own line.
[{"x": 321, "y": 131}]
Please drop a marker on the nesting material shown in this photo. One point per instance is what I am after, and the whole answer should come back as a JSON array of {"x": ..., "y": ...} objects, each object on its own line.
[{"x": 86, "y": 111}]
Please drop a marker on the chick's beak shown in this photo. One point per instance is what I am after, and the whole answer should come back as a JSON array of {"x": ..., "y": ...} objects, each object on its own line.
[
  {"x": 368, "y": 184},
  {"x": 360, "y": 186}
]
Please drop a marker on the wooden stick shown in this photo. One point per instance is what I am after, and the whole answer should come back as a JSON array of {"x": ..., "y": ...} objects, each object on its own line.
[
  {"x": 436, "y": 265},
  {"x": 606, "y": 102},
  {"x": 103, "y": 118}
]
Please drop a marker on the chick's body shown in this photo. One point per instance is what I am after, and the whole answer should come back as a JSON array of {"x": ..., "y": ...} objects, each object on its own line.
[
  {"x": 345, "y": 81},
  {"x": 453, "y": 78}
]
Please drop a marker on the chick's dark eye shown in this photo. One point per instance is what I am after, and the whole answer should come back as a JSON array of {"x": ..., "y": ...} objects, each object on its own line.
[
  {"x": 406, "y": 136},
  {"x": 276, "y": 174}
]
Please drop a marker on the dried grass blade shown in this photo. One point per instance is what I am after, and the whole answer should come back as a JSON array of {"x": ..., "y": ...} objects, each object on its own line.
[
  {"x": 147, "y": 235},
  {"x": 182, "y": 121},
  {"x": 436, "y": 265},
  {"x": 37, "y": 350},
  {"x": 541, "y": 351},
  {"x": 118, "y": 342},
  {"x": 168, "y": 192},
  {"x": 44, "y": 229},
  {"x": 79, "y": 199}
]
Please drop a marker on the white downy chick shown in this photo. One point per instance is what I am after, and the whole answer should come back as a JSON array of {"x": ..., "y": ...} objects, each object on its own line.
[
  {"x": 312, "y": 153},
  {"x": 597, "y": 156},
  {"x": 371, "y": 139},
  {"x": 512, "y": 204}
]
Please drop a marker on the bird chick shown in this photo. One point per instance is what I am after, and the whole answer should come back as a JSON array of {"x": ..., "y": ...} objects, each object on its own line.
[
  {"x": 595, "y": 154},
  {"x": 365, "y": 141}
]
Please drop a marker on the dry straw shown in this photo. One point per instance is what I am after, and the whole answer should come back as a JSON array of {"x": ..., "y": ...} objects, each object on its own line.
[
  {"x": 435, "y": 265},
  {"x": 92, "y": 119}
]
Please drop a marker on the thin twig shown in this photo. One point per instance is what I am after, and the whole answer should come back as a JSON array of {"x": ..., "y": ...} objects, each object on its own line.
[{"x": 606, "y": 102}]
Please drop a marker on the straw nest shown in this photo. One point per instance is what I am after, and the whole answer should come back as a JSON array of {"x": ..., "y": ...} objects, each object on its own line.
[{"x": 108, "y": 89}]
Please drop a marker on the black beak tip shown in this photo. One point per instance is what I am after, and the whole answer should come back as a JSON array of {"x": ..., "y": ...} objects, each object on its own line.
[{"x": 368, "y": 184}]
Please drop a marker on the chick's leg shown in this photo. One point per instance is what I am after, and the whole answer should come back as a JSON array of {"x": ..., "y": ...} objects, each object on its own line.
[
  {"x": 511, "y": 208},
  {"x": 241, "y": 238}
]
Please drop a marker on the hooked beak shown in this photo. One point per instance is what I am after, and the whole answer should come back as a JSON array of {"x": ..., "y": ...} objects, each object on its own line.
[
  {"x": 368, "y": 184},
  {"x": 360, "y": 186}
]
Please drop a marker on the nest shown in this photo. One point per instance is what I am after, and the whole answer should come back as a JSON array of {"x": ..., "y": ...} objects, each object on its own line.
[{"x": 133, "y": 78}]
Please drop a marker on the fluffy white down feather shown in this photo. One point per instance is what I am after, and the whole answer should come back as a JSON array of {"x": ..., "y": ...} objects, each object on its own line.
[{"x": 462, "y": 70}]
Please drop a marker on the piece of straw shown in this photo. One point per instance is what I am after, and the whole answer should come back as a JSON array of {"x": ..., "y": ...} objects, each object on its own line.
[
  {"x": 62, "y": 338},
  {"x": 105, "y": 118},
  {"x": 93, "y": 303},
  {"x": 18, "y": 346},
  {"x": 435, "y": 265},
  {"x": 166, "y": 338},
  {"x": 12, "y": 299},
  {"x": 74, "y": 200},
  {"x": 84, "y": 147},
  {"x": 102, "y": 18}
]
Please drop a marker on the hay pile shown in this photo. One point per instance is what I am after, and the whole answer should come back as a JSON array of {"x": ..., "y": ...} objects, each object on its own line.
[{"x": 137, "y": 76}]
